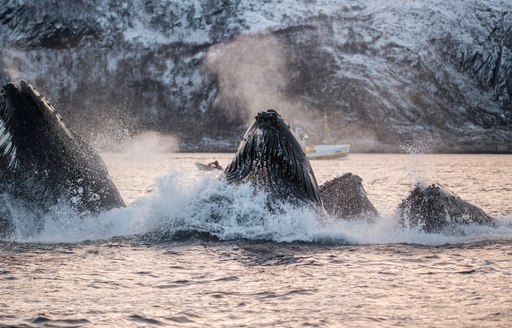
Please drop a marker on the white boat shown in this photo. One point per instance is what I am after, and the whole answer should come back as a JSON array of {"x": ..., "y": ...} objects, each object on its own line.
[
  {"x": 335, "y": 151},
  {"x": 327, "y": 151}
]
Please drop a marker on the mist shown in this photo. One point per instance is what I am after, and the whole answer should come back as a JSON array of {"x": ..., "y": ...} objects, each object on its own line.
[
  {"x": 148, "y": 142},
  {"x": 253, "y": 77}
]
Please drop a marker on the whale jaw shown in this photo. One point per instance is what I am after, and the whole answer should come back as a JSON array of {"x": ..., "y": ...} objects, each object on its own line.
[{"x": 271, "y": 158}]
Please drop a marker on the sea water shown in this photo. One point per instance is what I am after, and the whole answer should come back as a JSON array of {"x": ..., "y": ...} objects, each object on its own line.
[{"x": 190, "y": 250}]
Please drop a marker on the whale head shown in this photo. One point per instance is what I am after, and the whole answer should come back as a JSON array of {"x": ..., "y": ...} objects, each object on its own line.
[
  {"x": 42, "y": 159},
  {"x": 271, "y": 158}
]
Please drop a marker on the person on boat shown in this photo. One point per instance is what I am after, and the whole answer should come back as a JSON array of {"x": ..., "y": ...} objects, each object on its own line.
[{"x": 215, "y": 164}]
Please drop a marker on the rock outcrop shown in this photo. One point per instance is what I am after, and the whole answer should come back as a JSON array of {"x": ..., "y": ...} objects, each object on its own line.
[{"x": 433, "y": 75}]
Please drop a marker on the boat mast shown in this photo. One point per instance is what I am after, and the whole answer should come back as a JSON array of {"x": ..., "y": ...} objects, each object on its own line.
[{"x": 327, "y": 130}]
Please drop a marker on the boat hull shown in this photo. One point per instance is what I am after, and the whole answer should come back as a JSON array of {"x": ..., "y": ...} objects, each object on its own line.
[{"x": 328, "y": 152}]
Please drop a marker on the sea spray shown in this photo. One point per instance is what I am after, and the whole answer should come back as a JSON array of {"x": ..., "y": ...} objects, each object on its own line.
[
  {"x": 225, "y": 211},
  {"x": 188, "y": 205}
]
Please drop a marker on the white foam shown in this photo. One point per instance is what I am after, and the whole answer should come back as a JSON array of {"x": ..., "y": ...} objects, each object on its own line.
[{"x": 206, "y": 204}]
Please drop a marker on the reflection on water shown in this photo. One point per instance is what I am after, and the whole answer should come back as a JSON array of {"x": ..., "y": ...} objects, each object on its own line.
[
  {"x": 247, "y": 284},
  {"x": 123, "y": 269}
]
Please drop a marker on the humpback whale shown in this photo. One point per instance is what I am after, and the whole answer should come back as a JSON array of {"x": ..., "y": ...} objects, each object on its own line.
[
  {"x": 43, "y": 162},
  {"x": 271, "y": 158},
  {"x": 433, "y": 208},
  {"x": 344, "y": 197}
]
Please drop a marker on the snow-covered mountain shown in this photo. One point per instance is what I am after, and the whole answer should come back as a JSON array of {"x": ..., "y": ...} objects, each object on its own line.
[{"x": 427, "y": 75}]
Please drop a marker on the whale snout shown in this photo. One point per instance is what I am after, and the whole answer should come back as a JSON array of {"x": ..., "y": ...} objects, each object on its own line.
[
  {"x": 271, "y": 158},
  {"x": 13, "y": 90},
  {"x": 268, "y": 117},
  {"x": 9, "y": 90}
]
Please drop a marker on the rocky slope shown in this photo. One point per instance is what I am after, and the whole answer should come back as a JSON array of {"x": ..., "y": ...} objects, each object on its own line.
[{"x": 421, "y": 75}]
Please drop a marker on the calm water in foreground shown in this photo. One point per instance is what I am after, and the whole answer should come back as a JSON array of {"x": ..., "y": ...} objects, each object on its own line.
[{"x": 192, "y": 251}]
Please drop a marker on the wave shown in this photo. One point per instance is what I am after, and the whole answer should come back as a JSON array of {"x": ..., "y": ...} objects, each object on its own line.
[{"x": 186, "y": 206}]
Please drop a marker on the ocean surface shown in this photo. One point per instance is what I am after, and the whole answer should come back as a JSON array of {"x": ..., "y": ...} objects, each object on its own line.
[{"x": 191, "y": 251}]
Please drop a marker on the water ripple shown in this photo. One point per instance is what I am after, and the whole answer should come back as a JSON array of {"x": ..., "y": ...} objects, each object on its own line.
[{"x": 142, "y": 319}]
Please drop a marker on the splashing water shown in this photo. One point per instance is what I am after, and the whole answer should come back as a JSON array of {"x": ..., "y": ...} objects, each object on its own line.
[
  {"x": 185, "y": 204},
  {"x": 200, "y": 252}
]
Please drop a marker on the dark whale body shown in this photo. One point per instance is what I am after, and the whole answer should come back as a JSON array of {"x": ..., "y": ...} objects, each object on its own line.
[
  {"x": 435, "y": 209},
  {"x": 345, "y": 198},
  {"x": 43, "y": 162},
  {"x": 271, "y": 158}
]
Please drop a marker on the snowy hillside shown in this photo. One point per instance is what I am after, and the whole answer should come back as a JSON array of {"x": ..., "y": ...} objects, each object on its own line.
[{"x": 427, "y": 75}]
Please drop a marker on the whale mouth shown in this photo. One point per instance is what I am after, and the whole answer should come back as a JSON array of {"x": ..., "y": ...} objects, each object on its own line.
[
  {"x": 271, "y": 158},
  {"x": 2, "y": 100},
  {"x": 42, "y": 161},
  {"x": 8, "y": 151},
  {"x": 261, "y": 149},
  {"x": 24, "y": 97}
]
